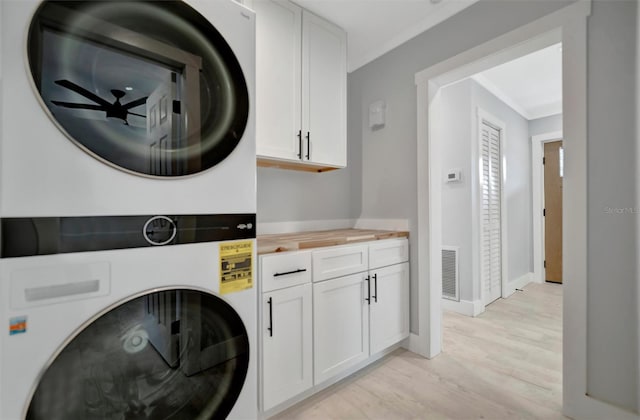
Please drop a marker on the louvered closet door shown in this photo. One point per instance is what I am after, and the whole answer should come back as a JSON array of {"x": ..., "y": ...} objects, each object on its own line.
[{"x": 491, "y": 213}]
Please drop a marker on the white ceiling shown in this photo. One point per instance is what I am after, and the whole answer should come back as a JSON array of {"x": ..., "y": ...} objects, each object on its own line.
[
  {"x": 376, "y": 26},
  {"x": 532, "y": 84}
]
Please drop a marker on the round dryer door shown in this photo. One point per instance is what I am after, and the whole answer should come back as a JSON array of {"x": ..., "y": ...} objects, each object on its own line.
[
  {"x": 150, "y": 87},
  {"x": 173, "y": 354}
]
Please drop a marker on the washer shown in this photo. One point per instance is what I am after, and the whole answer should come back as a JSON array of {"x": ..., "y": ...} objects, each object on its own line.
[
  {"x": 127, "y": 209},
  {"x": 156, "y": 332},
  {"x": 126, "y": 108}
]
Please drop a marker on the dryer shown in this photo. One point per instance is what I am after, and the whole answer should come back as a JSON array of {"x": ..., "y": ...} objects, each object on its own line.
[
  {"x": 125, "y": 108},
  {"x": 118, "y": 332},
  {"x": 127, "y": 209}
]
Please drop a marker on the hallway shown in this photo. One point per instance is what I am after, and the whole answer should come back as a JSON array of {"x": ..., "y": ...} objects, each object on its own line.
[{"x": 505, "y": 363}]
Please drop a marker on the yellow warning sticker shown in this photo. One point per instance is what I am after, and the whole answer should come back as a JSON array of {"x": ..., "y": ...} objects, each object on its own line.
[{"x": 236, "y": 266}]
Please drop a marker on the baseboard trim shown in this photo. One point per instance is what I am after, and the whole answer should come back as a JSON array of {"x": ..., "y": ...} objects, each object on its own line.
[
  {"x": 269, "y": 228},
  {"x": 519, "y": 283},
  {"x": 464, "y": 307},
  {"x": 414, "y": 343},
  {"x": 383, "y": 224}
]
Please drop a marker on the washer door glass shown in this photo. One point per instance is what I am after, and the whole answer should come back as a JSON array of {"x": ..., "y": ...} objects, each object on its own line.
[
  {"x": 179, "y": 354},
  {"x": 150, "y": 87}
]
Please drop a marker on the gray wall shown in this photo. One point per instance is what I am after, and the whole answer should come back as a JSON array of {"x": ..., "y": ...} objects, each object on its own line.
[
  {"x": 612, "y": 317},
  {"x": 389, "y": 175},
  {"x": 545, "y": 125},
  {"x": 285, "y": 195},
  {"x": 460, "y": 102},
  {"x": 456, "y": 196}
]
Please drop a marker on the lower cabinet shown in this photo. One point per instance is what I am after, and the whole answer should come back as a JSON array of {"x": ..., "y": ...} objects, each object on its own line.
[
  {"x": 326, "y": 312},
  {"x": 286, "y": 344},
  {"x": 358, "y": 315},
  {"x": 341, "y": 325},
  {"x": 389, "y": 309}
]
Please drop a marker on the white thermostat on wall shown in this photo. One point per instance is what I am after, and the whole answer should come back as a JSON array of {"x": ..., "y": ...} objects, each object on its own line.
[{"x": 454, "y": 175}]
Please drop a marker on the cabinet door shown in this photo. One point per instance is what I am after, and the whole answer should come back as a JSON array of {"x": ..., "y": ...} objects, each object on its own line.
[
  {"x": 278, "y": 70},
  {"x": 324, "y": 92},
  {"x": 286, "y": 344},
  {"x": 340, "y": 325},
  {"x": 389, "y": 308}
]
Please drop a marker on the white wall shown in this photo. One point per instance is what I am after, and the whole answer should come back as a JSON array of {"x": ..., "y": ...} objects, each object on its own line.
[
  {"x": 612, "y": 327},
  {"x": 460, "y": 102}
]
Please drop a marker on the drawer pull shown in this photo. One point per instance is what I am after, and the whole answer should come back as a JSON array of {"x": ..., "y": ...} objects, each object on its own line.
[{"x": 299, "y": 270}]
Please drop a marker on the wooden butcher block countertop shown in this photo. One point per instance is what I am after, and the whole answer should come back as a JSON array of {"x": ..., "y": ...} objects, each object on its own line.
[{"x": 268, "y": 244}]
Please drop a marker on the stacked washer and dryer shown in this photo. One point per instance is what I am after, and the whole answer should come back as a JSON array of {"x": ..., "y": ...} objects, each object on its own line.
[{"x": 127, "y": 210}]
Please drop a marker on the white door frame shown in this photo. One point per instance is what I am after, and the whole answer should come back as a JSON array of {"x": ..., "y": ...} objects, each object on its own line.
[
  {"x": 537, "y": 189},
  {"x": 568, "y": 25},
  {"x": 476, "y": 167}
]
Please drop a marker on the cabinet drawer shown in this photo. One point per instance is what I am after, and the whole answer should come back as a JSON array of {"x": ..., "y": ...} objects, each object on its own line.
[
  {"x": 388, "y": 252},
  {"x": 284, "y": 270},
  {"x": 339, "y": 261}
]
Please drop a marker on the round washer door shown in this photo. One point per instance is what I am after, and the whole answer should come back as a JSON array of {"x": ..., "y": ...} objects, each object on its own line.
[
  {"x": 150, "y": 87},
  {"x": 173, "y": 354}
]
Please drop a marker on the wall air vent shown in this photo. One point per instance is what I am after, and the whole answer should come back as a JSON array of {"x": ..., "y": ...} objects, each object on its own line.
[{"x": 450, "y": 281}]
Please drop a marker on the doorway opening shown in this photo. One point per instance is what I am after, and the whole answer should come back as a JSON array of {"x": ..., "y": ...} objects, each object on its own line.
[
  {"x": 487, "y": 122},
  {"x": 568, "y": 26}
]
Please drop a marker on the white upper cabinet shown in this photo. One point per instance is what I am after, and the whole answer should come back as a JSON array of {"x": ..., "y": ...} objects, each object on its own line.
[
  {"x": 278, "y": 79},
  {"x": 324, "y": 92},
  {"x": 301, "y": 86}
]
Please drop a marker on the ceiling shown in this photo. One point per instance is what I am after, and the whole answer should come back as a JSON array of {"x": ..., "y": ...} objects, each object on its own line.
[
  {"x": 531, "y": 84},
  {"x": 376, "y": 26}
]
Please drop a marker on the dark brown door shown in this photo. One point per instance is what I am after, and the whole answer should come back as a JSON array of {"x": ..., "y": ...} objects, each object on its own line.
[{"x": 553, "y": 211}]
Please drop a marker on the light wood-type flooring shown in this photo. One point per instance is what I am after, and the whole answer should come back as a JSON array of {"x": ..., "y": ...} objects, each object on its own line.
[{"x": 504, "y": 364}]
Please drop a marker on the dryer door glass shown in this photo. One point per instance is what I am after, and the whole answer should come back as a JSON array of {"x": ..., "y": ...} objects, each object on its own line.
[
  {"x": 149, "y": 87},
  {"x": 179, "y": 354}
]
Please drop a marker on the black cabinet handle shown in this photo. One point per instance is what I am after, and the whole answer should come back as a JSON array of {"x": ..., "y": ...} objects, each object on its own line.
[
  {"x": 375, "y": 287},
  {"x": 299, "y": 270},
  {"x": 308, "y": 145},
  {"x": 368, "y": 298},
  {"x": 270, "y": 303},
  {"x": 300, "y": 144}
]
